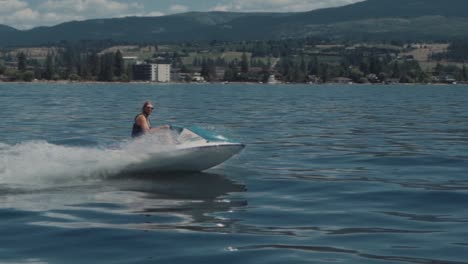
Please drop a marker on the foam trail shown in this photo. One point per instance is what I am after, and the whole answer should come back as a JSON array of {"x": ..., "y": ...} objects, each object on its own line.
[{"x": 39, "y": 162}]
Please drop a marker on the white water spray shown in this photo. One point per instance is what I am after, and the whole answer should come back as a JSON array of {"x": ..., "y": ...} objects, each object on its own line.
[{"x": 40, "y": 162}]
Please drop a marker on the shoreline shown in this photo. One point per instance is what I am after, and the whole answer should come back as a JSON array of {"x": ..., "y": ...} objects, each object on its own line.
[{"x": 227, "y": 83}]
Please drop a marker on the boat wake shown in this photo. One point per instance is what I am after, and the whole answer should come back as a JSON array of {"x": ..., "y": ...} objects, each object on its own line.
[{"x": 37, "y": 162}]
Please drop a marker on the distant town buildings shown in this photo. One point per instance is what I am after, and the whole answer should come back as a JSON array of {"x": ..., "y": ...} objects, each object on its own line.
[
  {"x": 345, "y": 64},
  {"x": 152, "y": 72}
]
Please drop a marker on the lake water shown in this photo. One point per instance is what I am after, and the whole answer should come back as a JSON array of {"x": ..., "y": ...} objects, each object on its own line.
[{"x": 330, "y": 174}]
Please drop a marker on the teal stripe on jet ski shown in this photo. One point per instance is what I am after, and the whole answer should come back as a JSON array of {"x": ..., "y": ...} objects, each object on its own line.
[{"x": 208, "y": 135}]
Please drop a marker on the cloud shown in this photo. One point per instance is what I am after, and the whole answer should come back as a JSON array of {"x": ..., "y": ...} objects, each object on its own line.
[
  {"x": 155, "y": 13},
  {"x": 13, "y": 12},
  {"x": 87, "y": 7},
  {"x": 24, "y": 15},
  {"x": 280, "y": 5},
  {"x": 8, "y": 6},
  {"x": 178, "y": 8},
  {"x": 55, "y": 18},
  {"x": 27, "y": 16}
]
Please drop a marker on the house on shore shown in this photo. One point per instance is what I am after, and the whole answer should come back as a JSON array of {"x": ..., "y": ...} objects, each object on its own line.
[{"x": 196, "y": 77}]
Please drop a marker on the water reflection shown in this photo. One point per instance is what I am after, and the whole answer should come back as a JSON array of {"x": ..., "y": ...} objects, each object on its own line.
[
  {"x": 190, "y": 186},
  {"x": 196, "y": 202},
  {"x": 200, "y": 202},
  {"x": 357, "y": 253}
]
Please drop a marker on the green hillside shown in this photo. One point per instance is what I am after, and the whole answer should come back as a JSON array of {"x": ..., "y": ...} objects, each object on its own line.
[
  {"x": 6, "y": 29},
  {"x": 421, "y": 20}
]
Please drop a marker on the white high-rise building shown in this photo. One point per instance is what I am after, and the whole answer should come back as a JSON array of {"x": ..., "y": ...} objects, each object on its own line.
[
  {"x": 152, "y": 72},
  {"x": 163, "y": 73}
]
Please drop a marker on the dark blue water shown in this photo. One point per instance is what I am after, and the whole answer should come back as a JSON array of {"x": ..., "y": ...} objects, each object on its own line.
[{"x": 330, "y": 174}]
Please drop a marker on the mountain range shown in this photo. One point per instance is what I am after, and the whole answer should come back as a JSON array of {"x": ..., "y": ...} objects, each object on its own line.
[{"x": 371, "y": 20}]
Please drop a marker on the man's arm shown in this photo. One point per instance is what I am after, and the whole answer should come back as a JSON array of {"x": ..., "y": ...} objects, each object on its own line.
[{"x": 141, "y": 121}]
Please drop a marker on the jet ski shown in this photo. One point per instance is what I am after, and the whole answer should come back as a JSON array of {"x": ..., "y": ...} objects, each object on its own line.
[{"x": 192, "y": 150}]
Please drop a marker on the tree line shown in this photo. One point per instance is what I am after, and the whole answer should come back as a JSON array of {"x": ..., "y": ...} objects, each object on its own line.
[
  {"x": 457, "y": 51},
  {"x": 288, "y": 60},
  {"x": 71, "y": 63}
]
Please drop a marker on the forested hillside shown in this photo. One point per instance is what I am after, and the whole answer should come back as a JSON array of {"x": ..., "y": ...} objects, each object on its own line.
[{"x": 371, "y": 20}]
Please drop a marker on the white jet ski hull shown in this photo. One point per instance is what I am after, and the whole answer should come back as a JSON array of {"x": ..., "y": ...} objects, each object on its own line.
[
  {"x": 193, "y": 152},
  {"x": 190, "y": 159}
]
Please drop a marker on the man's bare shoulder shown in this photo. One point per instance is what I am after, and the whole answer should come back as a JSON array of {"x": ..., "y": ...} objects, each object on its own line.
[{"x": 141, "y": 118}]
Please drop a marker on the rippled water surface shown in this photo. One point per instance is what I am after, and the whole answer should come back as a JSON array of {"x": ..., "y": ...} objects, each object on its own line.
[{"x": 330, "y": 174}]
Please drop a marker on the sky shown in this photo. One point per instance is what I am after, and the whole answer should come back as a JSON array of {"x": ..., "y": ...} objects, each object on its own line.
[{"x": 26, "y": 14}]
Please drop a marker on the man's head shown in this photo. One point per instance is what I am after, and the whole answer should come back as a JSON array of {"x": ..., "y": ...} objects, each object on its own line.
[{"x": 147, "y": 108}]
